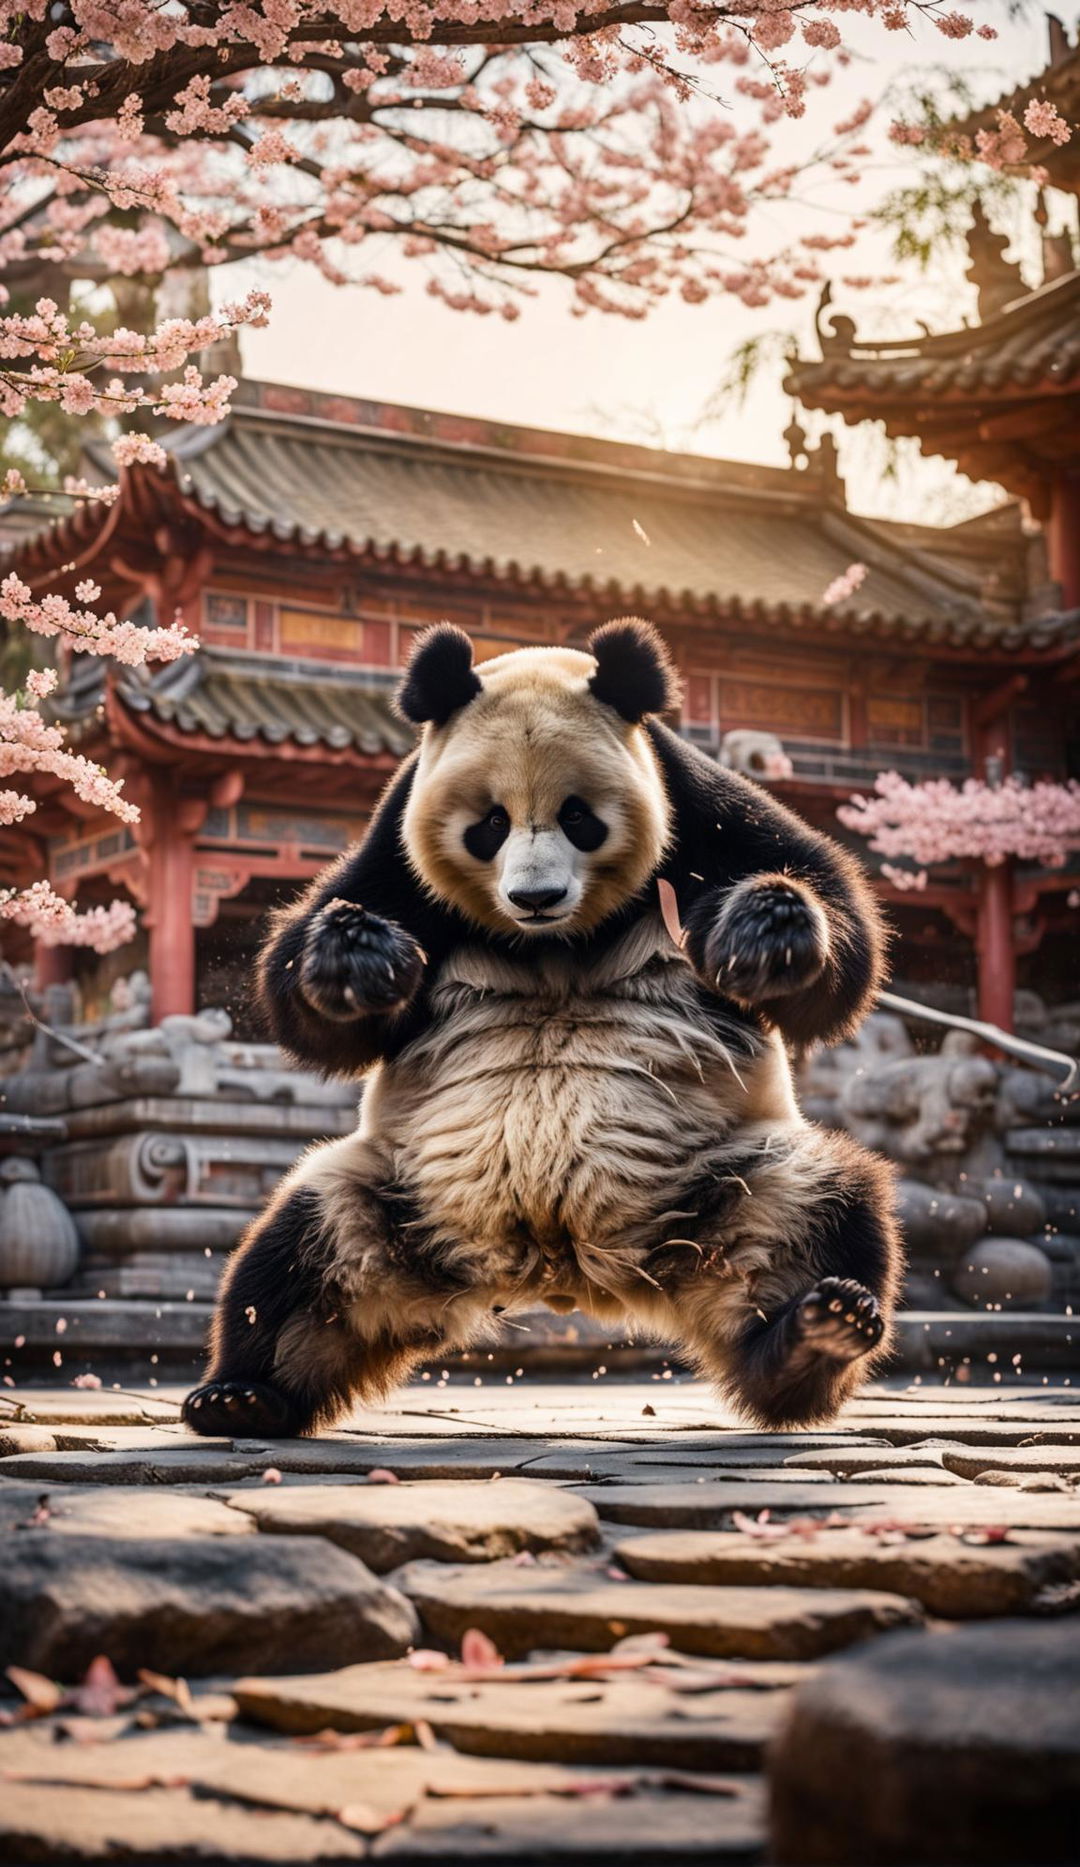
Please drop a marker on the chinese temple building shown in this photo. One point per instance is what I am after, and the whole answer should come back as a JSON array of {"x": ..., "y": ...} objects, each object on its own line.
[
  {"x": 308, "y": 538},
  {"x": 1002, "y": 400}
]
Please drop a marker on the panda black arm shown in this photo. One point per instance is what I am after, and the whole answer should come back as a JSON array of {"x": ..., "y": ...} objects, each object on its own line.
[
  {"x": 340, "y": 979},
  {"x": 777, "y": 915}
]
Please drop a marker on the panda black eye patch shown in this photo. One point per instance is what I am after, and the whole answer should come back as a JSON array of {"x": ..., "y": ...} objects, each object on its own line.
[
  {"x": 484, "y": 839},
  {"x": 580, "y": 825}
]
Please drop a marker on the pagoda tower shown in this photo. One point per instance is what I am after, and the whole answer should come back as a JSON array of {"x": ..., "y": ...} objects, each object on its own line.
[{"x": 1002, "y": 400}]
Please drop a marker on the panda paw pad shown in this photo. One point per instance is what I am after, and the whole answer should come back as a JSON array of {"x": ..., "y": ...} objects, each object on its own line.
[
  {"x": 238, "y": 1409},
  {"x": 357, "y": 964},
  {"x": 770, "y": 939},
  {"x": 841, "y": 1318}
]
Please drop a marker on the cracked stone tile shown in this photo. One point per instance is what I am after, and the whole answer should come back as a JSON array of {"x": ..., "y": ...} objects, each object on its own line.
[
  {"x": 546, "y": 1606},
  {"x": 184, "y": 1794},
  {"x": 454, "y": 1520},
  {"x": 951, "y": 1577},
  {"x": 611, "y": 1721}
]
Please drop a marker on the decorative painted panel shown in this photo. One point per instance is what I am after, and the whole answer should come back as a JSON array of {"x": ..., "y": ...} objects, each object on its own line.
[{"x": 809, "y": 712}]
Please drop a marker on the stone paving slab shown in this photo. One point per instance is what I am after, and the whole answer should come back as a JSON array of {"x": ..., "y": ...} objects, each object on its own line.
[
  {"x": 855, "y": 1460},
  {"x": 962, "y": 1748},
  {"x": 195, "y": 1794},
  {"x": 704, "y": 1504},
  {"x": 117, "y": 1511},
  {"x": 713, "y": 1506},
  {"x": 521, "y": 1609},
  {"x": 760, "y": 1557},
  {"x": 453, "y": 1521},
  {"x": 1063, "y": 1461},
  {"x": 596, "y": 1720},
  {"x": 193, "y": 1605},
  {"x": 180, "y": 1465},
  {"x": 64, "y": 1437},
  {"x": 976, "y": 1430},
  {"x": 159, "y": 1825},
  {"x": 948, "y": 1575},
  {"x": 908, "y": 1475},
  {"x": 674, "y": 1829}
]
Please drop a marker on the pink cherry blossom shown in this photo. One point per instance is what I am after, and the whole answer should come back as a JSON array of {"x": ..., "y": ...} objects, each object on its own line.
[
  {"x": 937, "y": 822},
  {"x": 843, "y": 586},
  {"x": 1043, "y": 119}
]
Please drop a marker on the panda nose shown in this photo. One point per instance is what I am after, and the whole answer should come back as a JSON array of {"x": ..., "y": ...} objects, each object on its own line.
[{"x": 536, "y": 899}]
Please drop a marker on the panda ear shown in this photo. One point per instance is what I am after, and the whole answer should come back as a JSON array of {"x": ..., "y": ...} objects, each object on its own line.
[
  {"x": 440, "y": 676},
  {"x": 633, "y": 672}
]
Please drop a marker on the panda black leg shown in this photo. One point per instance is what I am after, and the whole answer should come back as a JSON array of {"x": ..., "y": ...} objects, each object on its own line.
[
  {"x": 275, "y": 1275},
  {"x": 818, "y": 1320},
  {"x": 798, "y": 1368}
]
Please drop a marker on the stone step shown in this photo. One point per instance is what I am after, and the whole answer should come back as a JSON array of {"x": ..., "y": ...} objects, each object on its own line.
[
  {"x": 711, "y": 1506},
  {"x": 523, "y": 1609},
  {"x": 948, "y": 1575},
  {"x": 614, "y": 1720},
  {"x": 450, "y": 1521}
]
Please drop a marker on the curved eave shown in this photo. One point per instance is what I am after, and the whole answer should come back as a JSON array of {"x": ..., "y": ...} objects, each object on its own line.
[
  {"x": 855, "y": 387},
  {"x": 148, "y": 492},
  {"x": 159, "y": 741},
  {"x": 242, "y": 530}
]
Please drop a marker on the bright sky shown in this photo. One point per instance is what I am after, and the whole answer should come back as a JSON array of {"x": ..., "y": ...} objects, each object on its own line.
[{"x": 650, "y": 380}]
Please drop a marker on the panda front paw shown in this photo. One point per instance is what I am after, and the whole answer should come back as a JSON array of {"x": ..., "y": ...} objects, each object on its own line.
[
  {"x": 355, "y": 965},
  {"x": 770, "y": 939}
]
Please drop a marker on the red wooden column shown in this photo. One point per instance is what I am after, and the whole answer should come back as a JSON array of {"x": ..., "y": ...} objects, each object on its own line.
[
  {"x": 53, "y": 965},
  {"x": 169, "y": 917},
  {"x": 1063, "y": 537},
  {"x": 995, "y": 944}
]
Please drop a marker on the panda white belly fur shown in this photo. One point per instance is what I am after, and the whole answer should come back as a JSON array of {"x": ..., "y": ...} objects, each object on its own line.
[{"x": 550, "y": 1116}]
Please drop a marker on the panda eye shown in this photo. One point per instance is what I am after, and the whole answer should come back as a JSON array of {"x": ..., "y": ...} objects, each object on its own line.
[
  {"x": 580, "y": 825},
  {"x": 484, "y": 839}
]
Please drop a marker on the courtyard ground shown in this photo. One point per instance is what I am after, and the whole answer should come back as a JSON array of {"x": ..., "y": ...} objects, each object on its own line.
[{"x": 518, "y": 1621}]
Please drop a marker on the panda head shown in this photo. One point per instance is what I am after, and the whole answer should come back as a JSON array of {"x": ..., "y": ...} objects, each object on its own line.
[{"x": 537, "y": 804}]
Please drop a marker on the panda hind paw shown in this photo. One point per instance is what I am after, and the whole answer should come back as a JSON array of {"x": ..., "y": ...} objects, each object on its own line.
[
  {"x": 840, "y": 1318},
  {"x": 239, "y": 1410}
]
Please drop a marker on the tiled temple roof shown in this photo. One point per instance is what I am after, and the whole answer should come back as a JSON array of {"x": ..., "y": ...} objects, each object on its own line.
[
  {"x": 1001, "y": 398},
  {"x": 1032, "y": 345},
  {"x": 217, "y": 695},
  {"x": 617, "y": 526}
]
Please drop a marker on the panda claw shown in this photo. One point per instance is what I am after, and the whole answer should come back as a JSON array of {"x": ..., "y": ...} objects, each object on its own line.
[
  {"x": 233, "y": 1408},
  {"x": 839, "y": 1318}
]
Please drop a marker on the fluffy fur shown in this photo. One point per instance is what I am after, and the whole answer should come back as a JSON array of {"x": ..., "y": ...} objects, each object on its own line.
[{"x": 562, "y": 1106}]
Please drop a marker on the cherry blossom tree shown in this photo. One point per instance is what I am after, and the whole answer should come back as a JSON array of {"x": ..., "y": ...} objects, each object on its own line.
[
  {"x": 987, "y": 826},
  {"x": 45, "y": 358},
  {"x": 937, "y": 822},
  {"x": 496, "y": 140}
]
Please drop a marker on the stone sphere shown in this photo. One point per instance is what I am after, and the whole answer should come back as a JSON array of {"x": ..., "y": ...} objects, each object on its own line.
[
  {"x": 1013, "y": 1207},
  {"x": 938, "y": 1225},
  {"x": 1005, "y": 1271},
  {"x": 39, "y": 1246}
]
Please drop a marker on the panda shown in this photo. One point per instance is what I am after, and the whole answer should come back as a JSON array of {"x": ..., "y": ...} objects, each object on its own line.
[{"x": 573, "y": 1095}]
